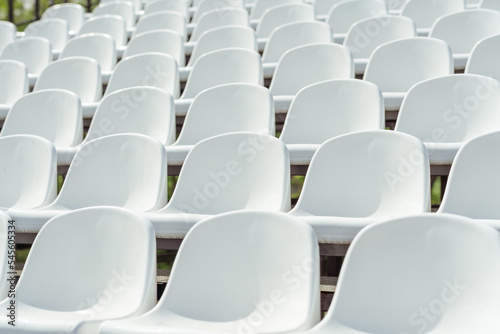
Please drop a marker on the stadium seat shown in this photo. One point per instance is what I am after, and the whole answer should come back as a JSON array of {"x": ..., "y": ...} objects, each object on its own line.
[
  {"x": 108, "y": 253},
  {"x": 113, "y": 25},
  {"x": 14, "y": 84},
  {"x": 124, "y": 9},
  {"x": 322, "y": 8},
  {"x": 164, "y": 41},
  {"x": 425, "y": 12},
  {"x": 464, "y": 29},
  {"x": 72, "y": 13},
  {"x": 483, "y": 58},
  {"x": 53, "y": 114},
  {"x": 346, "y": 13},
  {"x": 206, "y": 6},
  {"x": 289, "y": 36},
  {"x": 168, "y": 20},
  {"x": 305, "y": 65},
  {"x": 107, "y": 171},
  {"x": 144, "y": 110},
  {"x": 377, "y": 287},
  {"x": 137, "y": 4},
  {"x": 7, "y": 33},
  {"x": 366, "y": 35},
  {"x": 360, "y": 178},
  {"x": 156, "y": 6},
  {"x": 329, "y": 109},
  {"x": 445, "y": 112},
  {"x": 219, "y": 18},
  {"x": 238, "y": 292},
  {"x": 55, "y": 30},
  {"x": 396, "y": 66},
  {"x": 246, "y": 171},
  {"x": 261, "y": 6},
  {"x": 34, "y": 52},
  {"x": 232, "y": 65},
  {"x": 28, "y": 172},
  {"x": 222, "y": 109},
  {"x": 98, "y": 46}
]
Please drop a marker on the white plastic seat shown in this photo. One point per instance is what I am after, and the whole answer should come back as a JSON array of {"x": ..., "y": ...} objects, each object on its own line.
[
  {"x": 53, "y": 114},
  {"x": 472, "y": 187},
  {"x": 55, "y": 30},
  {"x": 113, "y": 25},
  {"x": 206, "y": 6},
  {"x": 290, "y": 36},
  {"x": 7, "y": 33},
  {"x": 445, "y": 112},
  {"x": 137, "y": 4},
  {"x": 144, "y": 110},
  {"x": 243, "y": 281},
  {"x": 344, "y": 14},
  {"x": 396, "y": 66},
  {"x": 261, "y": 6},
  {"x": 483, "y": 58},
  {"x": 359, "y": 178},
  {"x": 234, "y": 171},
  {"x": 28, "y": 173},
  {"x": 109, "y": 253},
  {"x": 98, "y": 46},
  {"x": 366, "y": 35},
  {"x": 323, "y": 7},
  {"x": 277, "y": 16},
  {"x": 489, "y": 4},
  {"x": 162, "y": 20},
  {"x": 166, "y": 5},
  {"x": 34, "y": 52},
  {"x": 80, "y": 75},
  {"x": 306, "y": 65},
  {"x": 222, "y": 109},
  {"x": 425, "y": 12},
  {"x": 13, "y": 85},
  {"x": 124, "y": 9},
  {"x": 72, "y": 13},
  {"x": 329, "y": 109},
  {"x": 464, "y": 29},
  {"x": 430, "y": 273},
  {"x": 219, "y": 18},
  {"x": 107, "y": 171},
  {"x": 164, "y": 41}
]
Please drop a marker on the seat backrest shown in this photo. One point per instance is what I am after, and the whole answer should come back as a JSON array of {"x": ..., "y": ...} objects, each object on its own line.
[
  {"x": 28, "y": 172},
  {"x": 120, "y": 263},
  {"x": 245, "y": 171},
  {"x": 7, "y": 33},
  {"x": 464, "y": 29},
  {"x": 397, "y": 66},
  {"x": 425, "y": 12},
  {"x": 451, "y": 109},
  {"x": 292, "y": 35},
  {"x": 163, "y": 41},
  {"x": 125, "y": 9},
  {"x": 55, "y": 30},
  {"x": 483, "y": 58},
  {"x": 261, "y": 6},
  {"x": 367, "y": 174},
  {"x": 366, "y": 35},
  {"x": 308, "y": 64},
  {"x": 80, "y": 75},
  {"x": 14, "y": 83},
  {"x": 228, "y": 108},
  {"x": 430, "y": 278},
  {"x": 112, "y": 171},
  {"x": 113, "y": 25},
  {"x": 219, "y": 18},
  {"x": 168, "y": 20},
  {"x": 331, "y": 108},
  {"x": 34, "y": 52},
  {"x": 72, "y": 13},
  {"x": 53, "y": 114},
  {"x": 224, "y": 66},
  {"x": 489, "y": 4},
  {"x": 206, "y": 6},
  {"x": 98, "y": 46},
  {"x": 144, "y": 110},
  {"x": 344, "y": 14},
  {"x": 223, "y": 38},
  {"x": 280, "y": 15},
  {"x": 250, "y": 270},
  {"x": 152, "y": 7},
  {"x": 148, "y": 69}
]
